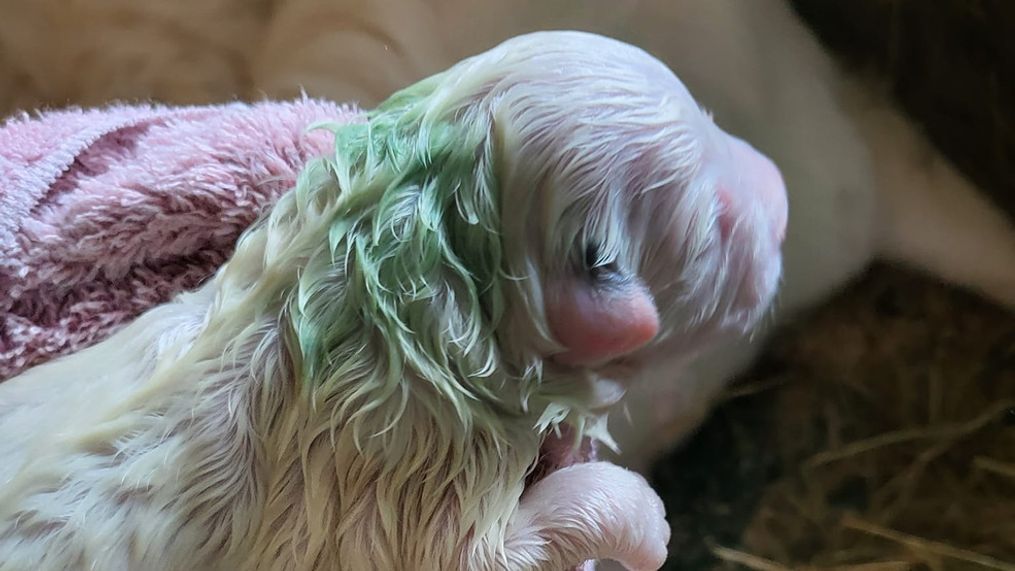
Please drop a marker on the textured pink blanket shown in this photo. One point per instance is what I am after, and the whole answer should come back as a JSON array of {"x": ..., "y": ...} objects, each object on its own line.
[{"x": 105, "y": 213}]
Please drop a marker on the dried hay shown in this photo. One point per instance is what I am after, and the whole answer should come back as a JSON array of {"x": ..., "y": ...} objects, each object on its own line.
[{"x": 882, "y": 436}]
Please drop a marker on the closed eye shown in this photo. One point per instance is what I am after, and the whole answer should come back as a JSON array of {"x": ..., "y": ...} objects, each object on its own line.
[{"x": 595, "y": 266}]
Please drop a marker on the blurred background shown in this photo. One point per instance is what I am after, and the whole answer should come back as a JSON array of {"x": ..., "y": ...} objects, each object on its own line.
[
  {"x": 878, "y": 431},
  {"x": 911, "y": 383}
]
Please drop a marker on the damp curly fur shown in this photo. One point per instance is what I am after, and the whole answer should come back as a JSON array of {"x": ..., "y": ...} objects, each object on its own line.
[
  {"x": 393, "y": 317},
  {"x": 364, "y": 384}
]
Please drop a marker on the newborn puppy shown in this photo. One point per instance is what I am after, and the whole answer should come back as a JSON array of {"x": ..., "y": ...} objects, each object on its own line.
[
  {"x": 408, "y": 363},
  {"x": 863, "y": 183}
]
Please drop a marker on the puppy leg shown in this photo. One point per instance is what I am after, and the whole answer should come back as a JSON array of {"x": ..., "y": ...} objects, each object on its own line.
[
  {"x": 934, "y": 219},
  {"x": 588, "y": 511}
]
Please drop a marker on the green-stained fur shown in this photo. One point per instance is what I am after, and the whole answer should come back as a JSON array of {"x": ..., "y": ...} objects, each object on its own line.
[{"x": 387, "y": 267}]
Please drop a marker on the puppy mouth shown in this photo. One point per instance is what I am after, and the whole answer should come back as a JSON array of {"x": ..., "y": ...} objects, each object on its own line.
[
  {"x": 558, "y": 451},
  {"x": 562, "y": 446}
]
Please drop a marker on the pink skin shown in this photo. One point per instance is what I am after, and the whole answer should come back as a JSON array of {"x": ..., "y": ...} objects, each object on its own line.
[
  {"x": 589, "y": 511},
  {"x": 597, "y": 327}
]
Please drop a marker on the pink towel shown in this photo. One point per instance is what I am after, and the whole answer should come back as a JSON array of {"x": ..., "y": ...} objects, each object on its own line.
[{"x": 105, "y": 213}]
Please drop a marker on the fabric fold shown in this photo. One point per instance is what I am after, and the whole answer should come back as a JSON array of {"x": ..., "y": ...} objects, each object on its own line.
[{"x": 107, "y": 212}]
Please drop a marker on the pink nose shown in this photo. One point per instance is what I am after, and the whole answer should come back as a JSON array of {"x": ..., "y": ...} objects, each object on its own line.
[{"x": 759, "y": 182}]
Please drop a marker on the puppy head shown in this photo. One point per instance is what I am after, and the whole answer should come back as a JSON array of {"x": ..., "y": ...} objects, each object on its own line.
[
  {"x": 638, "y": 227},
  {"x": 655, "y": 232},
  {"x": 559, "y": 203}
]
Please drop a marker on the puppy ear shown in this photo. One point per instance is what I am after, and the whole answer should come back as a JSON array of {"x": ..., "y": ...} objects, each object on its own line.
[{"x": 598, "y": 322}]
